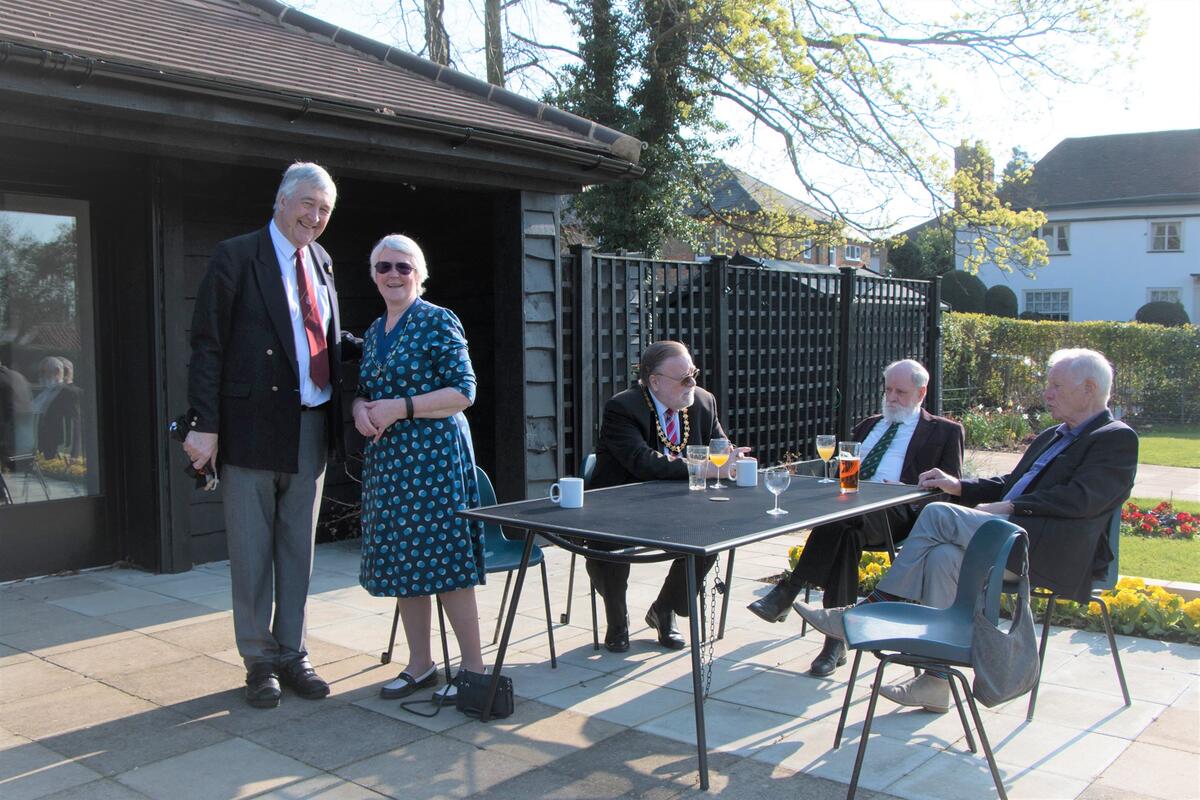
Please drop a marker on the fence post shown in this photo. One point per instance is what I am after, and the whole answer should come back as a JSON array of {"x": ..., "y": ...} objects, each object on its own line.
[
  {"x": 933, "y": 347},
  {"x": 846, "y": 343},
  {"x": 583, "y": 356},
  {"x": 717, "y": 381}
]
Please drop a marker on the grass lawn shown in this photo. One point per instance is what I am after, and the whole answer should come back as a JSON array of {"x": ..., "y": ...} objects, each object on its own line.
[
  {"x": 1170, "y": 446},
  {"x": 1164, "y": 559}
]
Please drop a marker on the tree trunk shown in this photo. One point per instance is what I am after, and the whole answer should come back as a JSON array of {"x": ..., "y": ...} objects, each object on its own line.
[
  {"x": 437, "y": 41},
  {"x": 493, "y": 42}
]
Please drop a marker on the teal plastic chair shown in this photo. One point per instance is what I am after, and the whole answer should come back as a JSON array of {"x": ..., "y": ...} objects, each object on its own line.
[
  {"x": 920, "y": 636},
  {"x": 1103, "y": 584},
  {"x": 500, "y": 554}
]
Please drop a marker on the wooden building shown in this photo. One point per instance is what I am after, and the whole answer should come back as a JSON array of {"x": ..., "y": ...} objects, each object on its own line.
[{"x": 136, "y": 134}]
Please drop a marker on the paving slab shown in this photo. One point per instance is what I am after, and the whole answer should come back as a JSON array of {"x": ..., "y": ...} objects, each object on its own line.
[
  {"x": 323, "y": 787},
  {"x": 231, "y": 769},
  {"x": 953, "y": 776},
  {"x": 90, "y": 705},
  {"x": 111, "y": 600},
  {"x": 28, "y": 770},
  {"x": 537, "y": 733},
  {"x": 120, "y": 657},
  {"x": 105, "y": 789},
  {"x": 30, "y": 678},
  {"x": 336, "y": 735}
]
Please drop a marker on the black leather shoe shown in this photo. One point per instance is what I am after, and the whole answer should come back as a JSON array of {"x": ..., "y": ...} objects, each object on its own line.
[
  {"x": 775, "y": 605},
  {"x": 616, "y": 640},
  {"x": 832, "y": 656},
  {"x": 262, "y": 686},
  {"x": 301, "y": 678},
  {"x": 663, "y": 621}
]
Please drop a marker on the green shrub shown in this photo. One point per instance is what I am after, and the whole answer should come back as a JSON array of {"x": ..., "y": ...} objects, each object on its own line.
[
  {"x": 1162, "y": 313},
  {"x": 963, "y": 291},
  {"x": 1000, "y": 301}
]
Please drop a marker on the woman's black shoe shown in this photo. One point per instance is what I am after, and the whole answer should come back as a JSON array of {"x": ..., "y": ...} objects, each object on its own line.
[
  {"x": 775, "y": 604},
  {"x": 406, "y": 684}
]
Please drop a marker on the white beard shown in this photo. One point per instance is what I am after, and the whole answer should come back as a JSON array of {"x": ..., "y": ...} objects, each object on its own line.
[{"x": 898, "y": 414}]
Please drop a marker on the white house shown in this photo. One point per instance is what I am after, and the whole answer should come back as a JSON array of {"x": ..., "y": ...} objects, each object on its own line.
[{"x": 1123, "y": 227}]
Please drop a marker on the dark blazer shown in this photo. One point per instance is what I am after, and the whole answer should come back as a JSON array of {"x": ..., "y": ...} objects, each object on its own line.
[
  {"x": 937, "y": 442},
  {"x": 242, "y": 381},
  {"x": 629, "y": 450},
  {"x": 1067, "y": 508}
]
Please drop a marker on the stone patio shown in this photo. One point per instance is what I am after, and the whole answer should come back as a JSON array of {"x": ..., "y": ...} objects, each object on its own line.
[{"x": 122, "y": 684}]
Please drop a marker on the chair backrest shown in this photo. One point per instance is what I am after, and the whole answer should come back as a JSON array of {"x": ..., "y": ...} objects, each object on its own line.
[
  {"x": 25, "y": 425},
  {"x": 487, "y": 497},
  {"x": 987, "y": 554},
  {"x": 1109, "y": 579},
  {"x": 589, "y": 466}
]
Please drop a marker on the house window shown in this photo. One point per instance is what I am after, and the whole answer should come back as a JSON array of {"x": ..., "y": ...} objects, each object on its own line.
[
  {"x": 809, "y": 251},
  {"x": 1057, "y": 237},
  {"x": 1166, "y": 236},
  {"x": 1049, "y": 303},
  {"x": 833, "y": 256},
  {"x": 1168, "y": 294},
  {"x": 853, "y": 252}
]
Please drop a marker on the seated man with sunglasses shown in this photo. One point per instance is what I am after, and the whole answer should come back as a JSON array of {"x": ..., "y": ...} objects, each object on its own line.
[{"x": 643, "y": 436}]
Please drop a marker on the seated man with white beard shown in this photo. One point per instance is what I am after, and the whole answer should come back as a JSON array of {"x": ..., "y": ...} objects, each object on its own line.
[
  {"x": 1063, "y": 492},
  {"x": 898, "y": 445}
]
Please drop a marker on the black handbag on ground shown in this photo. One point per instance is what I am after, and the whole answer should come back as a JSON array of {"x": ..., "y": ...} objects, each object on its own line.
[
  {"x": 472, "y": 694},
  {"x": 1006, "y": 664}
]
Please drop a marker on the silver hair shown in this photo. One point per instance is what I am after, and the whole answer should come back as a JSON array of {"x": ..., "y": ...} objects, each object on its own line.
[
  {"x": 403, "y": 244},
  {"x": 306, "y": 173},
  {"x": 920, "y": 375},
  {"x": 1083, "y": 364}
]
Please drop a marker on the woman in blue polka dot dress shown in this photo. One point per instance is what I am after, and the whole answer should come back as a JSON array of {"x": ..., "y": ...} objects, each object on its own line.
[{"x": 415, "y": 380}]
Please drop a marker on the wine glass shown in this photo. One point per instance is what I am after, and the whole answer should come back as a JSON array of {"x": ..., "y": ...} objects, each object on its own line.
[
  {"x": 778, "y": 479},
  {"x": 718, "y": 454},
  {"x": 826, "y": 445}
]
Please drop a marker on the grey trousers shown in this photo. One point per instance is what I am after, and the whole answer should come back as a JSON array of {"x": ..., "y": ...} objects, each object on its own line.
[
  {"x": 271, "y": 523},
  {"x": 926, "y": 569}
]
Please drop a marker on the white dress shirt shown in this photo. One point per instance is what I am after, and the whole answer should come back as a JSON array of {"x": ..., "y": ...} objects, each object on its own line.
[
  {"x": 893, "y": 460},
  {"x": 285, "y": 252}
]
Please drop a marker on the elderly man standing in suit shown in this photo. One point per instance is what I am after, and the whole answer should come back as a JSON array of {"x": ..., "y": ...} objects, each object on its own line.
[
  {"x": 898, "y": 445},
  {"x": 643, "y": 436},
  {"x": 265, "y": 382},
  {"x": 1063, "y": 492}
]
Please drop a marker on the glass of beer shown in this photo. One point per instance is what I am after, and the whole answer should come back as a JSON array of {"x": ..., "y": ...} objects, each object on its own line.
[
  {"x": 718, "y": 454},
  {"x": 697, "y": 457},
  {"x": 825, "y": 447},
  {"x": 849, "y": 462}
]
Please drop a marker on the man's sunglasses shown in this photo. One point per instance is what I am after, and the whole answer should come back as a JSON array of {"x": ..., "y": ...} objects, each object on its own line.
[
  {"x": 688, "y": 379},
  {"x": 402, "y": 268}
]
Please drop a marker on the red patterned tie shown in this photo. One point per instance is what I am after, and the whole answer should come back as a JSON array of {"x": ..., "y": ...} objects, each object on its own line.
[
  {"x": 672, "y": 430},
  {"x": 318, "y": 353}
]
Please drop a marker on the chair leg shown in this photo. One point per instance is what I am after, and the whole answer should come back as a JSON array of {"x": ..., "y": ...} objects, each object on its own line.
[
  {"x": 445, "y": 647},
  {"x": 962, "y": 715},
  {"x": 728, "y": 591},
  {"x": 987, "y": 746},
  {"x": 386, "y": 656},
  {"x": 595, "y": 622},
  {"x": 837, "y": 737},
  {"x": 503, "y": 605},
  {"x": 891, "y": 543},
  {"x": 804, "y": 622},
  {"x": 549, "y": 619},
  {"x": 1112, "y": 643},
  {"x": 1041, "y": 657},
  {"x": 866, "y": 733},
  {"x": 565, "y": 617}
]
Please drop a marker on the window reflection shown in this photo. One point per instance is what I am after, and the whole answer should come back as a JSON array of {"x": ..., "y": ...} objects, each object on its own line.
[{"x": 47, "y": 376}]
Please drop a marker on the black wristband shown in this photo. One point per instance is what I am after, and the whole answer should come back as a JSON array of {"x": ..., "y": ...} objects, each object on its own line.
[{"x": 408, "y": 407}]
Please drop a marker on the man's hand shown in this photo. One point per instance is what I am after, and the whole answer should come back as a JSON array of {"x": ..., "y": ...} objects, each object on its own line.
[
  {"x": 1002, "y": 508},
  {"x": 936, "y": 479},
  {"x": 201, "y": 448}
]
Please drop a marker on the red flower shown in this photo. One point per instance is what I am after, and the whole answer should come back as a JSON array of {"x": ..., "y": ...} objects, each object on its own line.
[
  {"x": 1188, "y": 529},
  {"x": 1146, "y": 526}
]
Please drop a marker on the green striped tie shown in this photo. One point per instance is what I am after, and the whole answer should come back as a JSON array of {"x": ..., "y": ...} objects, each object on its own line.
[{"x": 871, "y": 462}]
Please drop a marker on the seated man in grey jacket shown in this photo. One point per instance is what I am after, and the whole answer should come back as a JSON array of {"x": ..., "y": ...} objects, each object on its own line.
[{"x": 1062, "y": 492}]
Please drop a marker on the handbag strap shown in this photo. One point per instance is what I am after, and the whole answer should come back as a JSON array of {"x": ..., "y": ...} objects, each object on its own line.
[{"x": 437, "y": 701}]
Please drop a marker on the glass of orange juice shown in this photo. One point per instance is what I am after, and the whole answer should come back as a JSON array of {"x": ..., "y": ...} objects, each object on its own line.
[
  {"x": 826, "y": 444},
  {"x": 718, "y": 454}
]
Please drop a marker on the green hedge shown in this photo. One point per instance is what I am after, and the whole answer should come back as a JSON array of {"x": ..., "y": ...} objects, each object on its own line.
[{"x": 1002, "y": 362}]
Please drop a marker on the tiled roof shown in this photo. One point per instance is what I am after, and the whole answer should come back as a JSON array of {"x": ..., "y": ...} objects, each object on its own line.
[
  {"x": 734, "y": 190},
  {"x": 1108, "y": 170},
  {"x": 264, "y": 44}
]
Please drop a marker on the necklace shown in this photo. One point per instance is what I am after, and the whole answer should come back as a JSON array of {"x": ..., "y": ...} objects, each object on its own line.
[
  {"x": 673, "y": 448},
  {"x": 406, "y": 317}
]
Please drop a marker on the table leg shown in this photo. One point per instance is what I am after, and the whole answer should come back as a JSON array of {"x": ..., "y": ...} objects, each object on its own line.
[
  {"x": 697, "y": 671},
  {"x": 508, "y": 624}
]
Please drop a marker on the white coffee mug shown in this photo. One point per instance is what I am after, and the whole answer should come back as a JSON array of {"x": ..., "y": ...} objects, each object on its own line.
[
  {"x": 568, "y": 492},
  {"x": 747, "y": 471}
]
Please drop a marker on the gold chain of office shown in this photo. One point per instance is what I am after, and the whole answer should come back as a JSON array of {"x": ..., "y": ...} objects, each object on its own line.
[{"x": 674, "y": 449}]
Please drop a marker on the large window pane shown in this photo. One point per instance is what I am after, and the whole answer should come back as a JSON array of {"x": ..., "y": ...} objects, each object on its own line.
[{"x": 48, "y": 436}]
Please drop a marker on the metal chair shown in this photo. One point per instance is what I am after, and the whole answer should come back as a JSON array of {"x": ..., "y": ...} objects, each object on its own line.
[
  {"x": 500, "y": 555},
  {"x": 24, "y": 454},
  {"x": 1108, "y": 581},
  {"x": 589, "y": 466},
  {"x": 920, "y": 636}
]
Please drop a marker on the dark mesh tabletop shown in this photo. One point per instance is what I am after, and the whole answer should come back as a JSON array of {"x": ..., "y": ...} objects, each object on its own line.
[{"x": 667, "y": 516}]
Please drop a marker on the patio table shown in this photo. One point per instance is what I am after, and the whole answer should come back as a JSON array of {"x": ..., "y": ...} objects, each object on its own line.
[{"x": 662, "y": 520}]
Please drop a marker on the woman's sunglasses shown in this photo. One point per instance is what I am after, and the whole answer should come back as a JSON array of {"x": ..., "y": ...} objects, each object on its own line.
[{"x": 384, "y": 267}]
